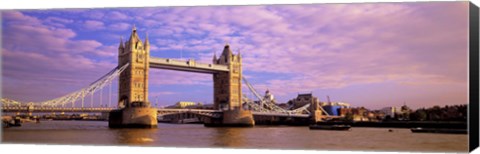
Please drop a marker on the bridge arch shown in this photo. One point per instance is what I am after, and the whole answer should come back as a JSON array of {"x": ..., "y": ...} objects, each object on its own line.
[{"x": 123, "y": 101}]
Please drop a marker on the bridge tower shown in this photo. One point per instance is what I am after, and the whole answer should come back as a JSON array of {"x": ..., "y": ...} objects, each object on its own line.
[
  {"x": 228, "y": 85},
  {"x": 134, "y": 108},
  {"x": 133, "y": 82},
  {"x": 228, "y": 90}
]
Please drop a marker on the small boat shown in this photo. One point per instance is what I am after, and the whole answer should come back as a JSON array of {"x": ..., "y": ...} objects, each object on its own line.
[
  {"x": 330, "y": 127},
  {"x": 16, "y": 123},
  {"x": 439, "y": 130},
  {"x": 11, "y": 123},
  {"x": 5, "y": 124}
]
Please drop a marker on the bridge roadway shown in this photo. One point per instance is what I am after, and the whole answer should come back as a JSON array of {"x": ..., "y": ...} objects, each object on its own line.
[
  {"x": 189, "y": 65},
  {"x": 161, "y": 111}
]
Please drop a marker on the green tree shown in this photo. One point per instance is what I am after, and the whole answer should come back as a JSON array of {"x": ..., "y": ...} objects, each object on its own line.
[{"x": 421, "y": 115}]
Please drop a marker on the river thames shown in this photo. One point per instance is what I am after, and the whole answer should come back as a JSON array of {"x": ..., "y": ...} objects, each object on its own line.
[{"x": 258, "y": 137}]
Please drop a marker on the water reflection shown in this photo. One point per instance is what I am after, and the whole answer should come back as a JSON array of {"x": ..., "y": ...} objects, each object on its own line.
[
  {"x": 135, "y": 136},
  {"x": 229, "y": 137},
  {"x": 174, "y": 135}
]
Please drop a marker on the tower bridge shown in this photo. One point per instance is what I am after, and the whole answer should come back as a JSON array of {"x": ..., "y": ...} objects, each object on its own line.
[
  {"x": 133, "y": 84},
  {"x": 134, "y": 109}
]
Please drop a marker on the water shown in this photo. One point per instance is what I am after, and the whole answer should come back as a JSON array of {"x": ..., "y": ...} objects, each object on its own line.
[{"x": 258, "y": 137}]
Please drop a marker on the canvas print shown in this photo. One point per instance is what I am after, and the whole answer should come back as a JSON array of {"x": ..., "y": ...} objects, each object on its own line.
[{"x": 364, "y": 76}]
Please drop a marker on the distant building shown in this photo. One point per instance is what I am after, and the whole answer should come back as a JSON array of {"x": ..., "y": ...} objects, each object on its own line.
[
  {"x": 404, "y": 113},
  {"x": 333, "y": 108},
  {"x": 182, "y": 104},
  {"x": 355, "y": 114},
  {"x": 269, "y": 98},
  {"x": 399, "y": 113},
  {"x": 344, "y": 111},
  {"x": 302, "y": 100},
  {"x": 389, "y": 111}
]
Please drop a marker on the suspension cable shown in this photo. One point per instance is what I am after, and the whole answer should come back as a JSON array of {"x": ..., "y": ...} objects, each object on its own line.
[{"x": 110, "y": 94}]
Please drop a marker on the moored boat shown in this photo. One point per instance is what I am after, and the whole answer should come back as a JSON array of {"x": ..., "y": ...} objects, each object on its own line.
[
  {"x": 439, "y": 130},
  {"x": 330, "y": 127}
]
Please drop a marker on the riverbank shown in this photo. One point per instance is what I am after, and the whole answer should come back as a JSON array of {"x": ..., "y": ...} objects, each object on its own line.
[
  {"x": 9, "y": 121},
  {"x": 384, "y": 124},
  {"x": 403, "y": 124}
]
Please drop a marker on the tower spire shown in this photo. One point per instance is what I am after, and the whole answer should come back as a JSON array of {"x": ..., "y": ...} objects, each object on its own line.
[
  {"x": 226, "y": 50},
  {"x": 214, "y": 57},
  {"x": 226, "y": 54},
  {"x": 133, "y": 38},
  {"x": 147, "y": 43},
  {"x": 121, "y": 43}
]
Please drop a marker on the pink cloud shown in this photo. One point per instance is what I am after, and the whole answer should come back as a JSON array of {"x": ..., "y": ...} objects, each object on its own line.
[
  {"x": 319, "y": 47},
  {"x": 119, "y": 26},
  {"x": 57, "y": 22},
  {"x": 162, "y": 31},
  {"x": 19, "y": 18},
  {"x": 107, "y": 51},
  {"x": 57, "y": 19},
  {"x": 115, "y": 15},
  {"x": 93, "y": 25},
  {"x": 337, "y": 45},
  {"x": 169, "y": 77},
  {"x": 92, "y": 14},
  {"x": 52, "y": 62},
  {"x": 333, "y": 46}
]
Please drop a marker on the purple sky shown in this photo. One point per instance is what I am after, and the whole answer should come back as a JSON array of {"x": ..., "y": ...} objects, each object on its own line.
[{"x": 373, "y": 55}]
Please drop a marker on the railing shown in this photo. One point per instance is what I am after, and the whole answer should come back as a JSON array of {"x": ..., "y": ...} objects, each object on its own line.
[
  {"x": 189, "y": 65},
  {"x": 77, "y": 109},
  {"x": 185, "y": 110},
  {"x": 281, "y": 114},
  {"x": 53, "y": 109}
]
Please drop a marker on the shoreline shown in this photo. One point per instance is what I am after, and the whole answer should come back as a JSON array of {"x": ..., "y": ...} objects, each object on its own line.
[
  {"x": 404, "y": 124},
  {"x": 386, "y": 124}
]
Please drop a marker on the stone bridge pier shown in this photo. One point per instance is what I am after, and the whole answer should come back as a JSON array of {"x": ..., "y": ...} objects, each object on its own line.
[{"x": 316, "y": 114}]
